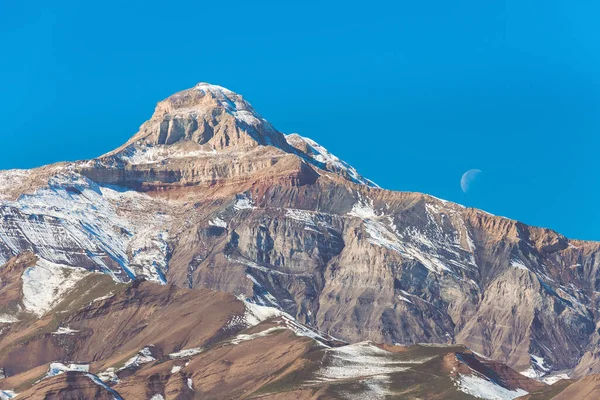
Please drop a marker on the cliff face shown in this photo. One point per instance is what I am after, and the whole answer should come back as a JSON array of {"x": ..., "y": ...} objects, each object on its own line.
[{"x": 209, "y": 195}]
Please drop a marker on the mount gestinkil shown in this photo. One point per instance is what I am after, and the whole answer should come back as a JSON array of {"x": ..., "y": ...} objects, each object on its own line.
[{"x": 210, "y": 244}]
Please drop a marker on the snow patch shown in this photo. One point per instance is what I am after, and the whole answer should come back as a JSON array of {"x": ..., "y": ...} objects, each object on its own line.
[
  {"x": 154, "y": 154},
  {"x": 109, "y": 375},
  {"x": 218, "y": 222},
  {"x": 246, "y": 337},
  {"x": 302, "y": 330},
  {"x": 7, "y": 394},
  {"x": 530, "y": 373},
  {"x": 8, "y": 319},
  {"x": 65, "y": 331},
  {"x": 539, "y": 362},
  {"x": 321, "y": 155},
  {"x": 47, "y": 283},
  {"x": 380, "y": 234},
  {"x": 363, "y": 209},
  {"x": 302, "y": 216},
  {"x": 57, "y": 368},
  {"x": 176, "y": 368},
  {"x": 186, "y": 353},
  {"x": 538, "y": 368},
  {"x": 144, "y": 356},
  {"x": 484, "y": 389},
  {"x": 358, "y": 360},
  {"x": 517, "y": 263},
  {"x": 232, "y": 103},
  {"x": 108, "y": 296},
  {"x": 552, "y": 379},
  {"x": 243, "y": 202},
  {"x": 404, "y": 299},
  {"x": 255, "y": 314}
]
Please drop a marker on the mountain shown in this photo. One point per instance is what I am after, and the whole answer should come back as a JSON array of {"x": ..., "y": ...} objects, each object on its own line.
[{"x": 209, "y": 195}]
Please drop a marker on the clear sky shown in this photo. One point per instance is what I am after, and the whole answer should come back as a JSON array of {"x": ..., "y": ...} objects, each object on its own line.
[{"x": 411, "y": 93}]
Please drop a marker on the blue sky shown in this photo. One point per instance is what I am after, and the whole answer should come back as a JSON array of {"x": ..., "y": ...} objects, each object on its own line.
[{"x": 412, "y": 94}]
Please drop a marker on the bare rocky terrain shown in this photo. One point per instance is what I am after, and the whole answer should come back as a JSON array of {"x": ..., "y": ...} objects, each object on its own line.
[
  {"x": 143, "y": 340},
  {"x": 208, "y": 196}
]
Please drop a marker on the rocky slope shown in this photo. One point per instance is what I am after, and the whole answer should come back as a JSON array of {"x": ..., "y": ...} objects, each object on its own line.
[
  {"x": 208, "y": 194},
  {"x": 142, "y": 340}
]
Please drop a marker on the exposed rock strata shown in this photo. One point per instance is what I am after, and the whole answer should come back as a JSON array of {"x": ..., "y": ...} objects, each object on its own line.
[{"x": 209, "y": 195}]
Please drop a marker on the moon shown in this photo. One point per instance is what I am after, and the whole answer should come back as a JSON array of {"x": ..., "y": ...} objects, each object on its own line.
[{"x": 467, "y": 178}]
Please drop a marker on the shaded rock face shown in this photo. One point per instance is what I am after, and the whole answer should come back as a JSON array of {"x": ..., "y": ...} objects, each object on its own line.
[
  {"x": 387, "y": 276},
  {"x": 209, "y": 195},
  {"x": 69, "y": 386},
  {"x": 11, "y": 286}
]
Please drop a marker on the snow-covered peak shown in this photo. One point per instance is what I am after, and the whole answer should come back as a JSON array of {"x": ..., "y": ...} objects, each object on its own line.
[
  {"x": 213, "y": 88},
  {"x": 208, "y": 121},
  {"x": 207, "y": 99},
  {"x": 210, "y": 116}
]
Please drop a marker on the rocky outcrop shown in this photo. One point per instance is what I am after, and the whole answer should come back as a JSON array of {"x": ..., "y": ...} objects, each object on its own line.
[
  {"x": 210, "y": 116},
  {"x": 11, "y": 286}
]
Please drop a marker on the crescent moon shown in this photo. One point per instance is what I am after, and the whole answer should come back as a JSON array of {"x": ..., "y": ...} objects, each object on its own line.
[{"x": 467, "y": 178}]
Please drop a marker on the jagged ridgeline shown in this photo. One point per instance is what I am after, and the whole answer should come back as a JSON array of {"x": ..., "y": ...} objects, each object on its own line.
[{"x": 209, "y": 195}]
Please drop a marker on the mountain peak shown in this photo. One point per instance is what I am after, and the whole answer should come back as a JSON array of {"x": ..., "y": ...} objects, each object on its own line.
[
  {"x": 206, "y": 120},
  {"x": 209, "y": 115},
  {"x": 213, "y": 88},
  {"x": 205, "y": 99}
]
